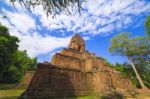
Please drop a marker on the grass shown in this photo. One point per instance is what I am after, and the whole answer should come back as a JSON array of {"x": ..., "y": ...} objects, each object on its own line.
[
  {"x": 9, "y": 91},
  {"x": 84, "y": 97},
  {"x": 7, "y": 86},
  {"x": 10, "y": 94},
  {"x": 80, "y": 97},
  {"x": 143, "y": 96},
  {"x": 14, "y": 93}
]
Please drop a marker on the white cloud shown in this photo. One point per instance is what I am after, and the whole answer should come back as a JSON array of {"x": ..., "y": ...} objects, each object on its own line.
[
  {"x": 20, "y": 25},
  {"x": 38, "y": 44},
  {"x": 98, "y": 17},
  {"x": 21, "y": 21}
]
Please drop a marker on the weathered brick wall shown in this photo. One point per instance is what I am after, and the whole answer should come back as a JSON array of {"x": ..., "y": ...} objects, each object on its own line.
[
  {"x": 72, "y": 53},
  {"x": 66, "y": 62},
  {"x": 89, "y": 64},
  {"x": 49, "y": 81},
  {"x": 121, "y": 82},
  {"x": 102, "y": 81},
  {"x": 26, "y": 80}
]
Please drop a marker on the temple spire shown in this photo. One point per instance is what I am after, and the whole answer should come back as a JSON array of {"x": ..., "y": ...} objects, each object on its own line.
[{"x": 77, "y": 43}]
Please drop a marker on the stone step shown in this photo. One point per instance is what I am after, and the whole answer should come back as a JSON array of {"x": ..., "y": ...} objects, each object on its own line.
[
  {"x": 130, "y": 97},
  {"x": 128, "y": 94},
  {"x": 145, "y": 91}
]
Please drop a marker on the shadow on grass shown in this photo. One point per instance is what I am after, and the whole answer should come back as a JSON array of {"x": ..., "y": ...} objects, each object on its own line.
[
  {"x": 10, "y": 97},
  {"x": 6, "y": 86},
  {"x": 10, "y": 94}
]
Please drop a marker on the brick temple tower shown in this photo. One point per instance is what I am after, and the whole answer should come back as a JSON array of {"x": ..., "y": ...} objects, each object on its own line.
[
  {"x": 77, "y": 43},
  {"x": 74, "y": 72}
]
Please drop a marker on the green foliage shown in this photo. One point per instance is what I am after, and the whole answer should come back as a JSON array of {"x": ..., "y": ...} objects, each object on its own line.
[
  {"x": 127, "y": 71},
  {"x": 146, "y": 77},
  {"x": 6, "y": 86},
  {"x": 119, "y": 44},
  {"x": 21, "y": 63},
  {"x": 10, "y": 94},
  {"x": 119, "y": 67},
  {"x": 144, "y": 69},
  {"x": 8, "y": 46},
  {"x": 147, "y": 25},
  {"x": 3, "y": 31},
  {"x": 123, "y": 44},
  {"x": 13, "y": 63},
  {"x": 140, "y": 45},
  {"x": 137, "y": 49},
  {"x": 100, "y": 57},
  {"x": 106, "y": 62}
]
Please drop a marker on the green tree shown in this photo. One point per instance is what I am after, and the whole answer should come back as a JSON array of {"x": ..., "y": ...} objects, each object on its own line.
[
  {"x": 106, "y": 62},
  {"x": 123, "y": 45},
  {"x": 21, "y": 63},
  {"x": 127, "y": 71},
  {"x": 147, "y": 25},
  {"x": 8, "y": 46},
  {"x": 13, "y": 63}
]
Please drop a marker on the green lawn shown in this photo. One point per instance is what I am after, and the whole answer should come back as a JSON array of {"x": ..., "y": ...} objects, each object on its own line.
[
  {"x": 85, "y": 97},
  {"x": 10, "y": 94},
  {"x": 13, "y": 94},
  {"x": 7, "y": 86},
  {"x": 9, "y": 91},
  {"x": 143, "y": 96}
]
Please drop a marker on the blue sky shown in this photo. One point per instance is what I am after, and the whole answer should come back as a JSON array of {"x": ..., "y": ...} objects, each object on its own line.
[{"x": 100, "y": 20}]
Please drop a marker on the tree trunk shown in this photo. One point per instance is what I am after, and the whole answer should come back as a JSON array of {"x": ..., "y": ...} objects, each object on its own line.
[{"x": 137, "y": 74}]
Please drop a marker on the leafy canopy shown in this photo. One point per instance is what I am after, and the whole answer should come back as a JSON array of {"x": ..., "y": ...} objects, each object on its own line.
[
  {"x": 142, "y": 68},
  {"x": 147, "y": 24},
  {"x": 13, "y": 63},
  {"x": 8, "y": 45},
  {"x": 123, "y": 44}
]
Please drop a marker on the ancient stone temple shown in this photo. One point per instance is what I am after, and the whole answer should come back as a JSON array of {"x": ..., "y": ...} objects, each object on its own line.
[{"x": 74, "y": 72}]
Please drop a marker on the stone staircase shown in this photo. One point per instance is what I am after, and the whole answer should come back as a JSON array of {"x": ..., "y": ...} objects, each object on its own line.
[
  {"x": 131, "y": 94},
  {"x": 128, "y": 94},
  {"x": 145, "y": 91}
]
